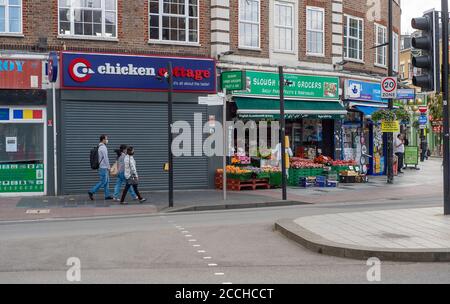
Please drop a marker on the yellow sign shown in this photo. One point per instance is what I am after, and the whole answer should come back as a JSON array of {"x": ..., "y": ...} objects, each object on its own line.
[
  {"x": 390, "y": 126},
  {"x": 166, "y": 167}
]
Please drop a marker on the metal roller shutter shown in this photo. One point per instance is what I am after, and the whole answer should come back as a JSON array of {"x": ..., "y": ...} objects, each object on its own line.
[{"x": 142, "y": 125}]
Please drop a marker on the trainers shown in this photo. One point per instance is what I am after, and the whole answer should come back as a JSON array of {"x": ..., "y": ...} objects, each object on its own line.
[
  {"x": 108, "y": 198},
  {"x": 135, "y": 198},
  {"x": 91, "y": 196},
  {"x": 142, "y": 200}
]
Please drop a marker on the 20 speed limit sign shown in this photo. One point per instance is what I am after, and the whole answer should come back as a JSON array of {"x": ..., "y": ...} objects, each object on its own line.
[{"x": 389, "y": 88}]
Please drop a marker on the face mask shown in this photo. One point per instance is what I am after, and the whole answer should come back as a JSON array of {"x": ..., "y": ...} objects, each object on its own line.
[{"x": 106, "y": 142}]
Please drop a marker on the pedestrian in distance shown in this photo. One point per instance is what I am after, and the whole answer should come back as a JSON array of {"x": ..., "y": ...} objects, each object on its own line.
[
  {"x": 131, "y": 176},
  {"x": 121, "y": 153},
  {"x": 100, "y": 161},
  {"x": 423, "y": 148},
  {"x": 399, "y": 149}
]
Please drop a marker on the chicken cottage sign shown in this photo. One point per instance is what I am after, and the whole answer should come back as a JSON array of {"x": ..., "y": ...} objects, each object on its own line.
[{"x": 125, "y": 72}]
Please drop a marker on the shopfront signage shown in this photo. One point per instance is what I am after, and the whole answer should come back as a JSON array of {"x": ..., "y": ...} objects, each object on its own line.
[
  {"x": 406, "y": 94},
  {"x": 363, "y": 91},
  {"x": 20, "y": 74},
  {"x": 411, "y": 155},
  {"x": 211, "y": 100},
  {"x": 124, "y": 72},
  {"x": 389, "y": 87},
  {"x": 265, "y": 84},
  {"x": 21, "y": 178},
  {"x": 234, "y": 80},
  {"x": 390, "y": 126}
]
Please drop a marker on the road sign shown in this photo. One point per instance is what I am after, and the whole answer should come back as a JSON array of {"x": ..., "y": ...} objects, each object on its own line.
[
  {"x": 390, "y": 126},
  {"x": 234, "y": 80},
  {"x": 423, "y": 120},
  {"x": 211, "y": 100},
  {"x": 389, "y": 88}
]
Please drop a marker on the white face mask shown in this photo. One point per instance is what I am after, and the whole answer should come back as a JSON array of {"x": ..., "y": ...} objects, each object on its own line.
[{"x": 106, "y": 142}]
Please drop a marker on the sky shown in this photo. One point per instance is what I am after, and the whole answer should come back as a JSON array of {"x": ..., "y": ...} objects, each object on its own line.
[{"x": 415, "y": 8}]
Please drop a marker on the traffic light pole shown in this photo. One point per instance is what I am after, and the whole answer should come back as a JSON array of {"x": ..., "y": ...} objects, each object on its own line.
[
  {"x": 390, "y": 136},
  {"x": 445, "y": 70},
  {"x": 170, "y": 137}
]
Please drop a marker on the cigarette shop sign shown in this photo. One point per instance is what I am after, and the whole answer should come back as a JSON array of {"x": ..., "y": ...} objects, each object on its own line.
[{"x": 125, "y": 72}]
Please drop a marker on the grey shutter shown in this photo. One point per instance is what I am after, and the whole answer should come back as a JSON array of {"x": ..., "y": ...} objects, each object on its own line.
[{"x": 142, "y": 125}]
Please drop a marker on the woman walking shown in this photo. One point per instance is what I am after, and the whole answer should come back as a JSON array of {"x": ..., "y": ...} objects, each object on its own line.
[
  {"x": 121, "y": 153},
  {"x": 131, "y": 176}
]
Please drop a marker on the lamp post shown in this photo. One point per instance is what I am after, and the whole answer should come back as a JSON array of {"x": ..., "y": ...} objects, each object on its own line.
[
  {"x": 390, "y": 136},
  {"x": 445, "y": 71},
  {"x": 170, "y": 138}
]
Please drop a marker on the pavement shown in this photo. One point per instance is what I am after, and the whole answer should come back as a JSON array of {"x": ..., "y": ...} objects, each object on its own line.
[
  {"x": 424, "y": 182},
  {"x": 413, "y": 235}
]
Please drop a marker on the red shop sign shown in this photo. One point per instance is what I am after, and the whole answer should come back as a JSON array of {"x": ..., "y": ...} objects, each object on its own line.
[{"x": 20, "y": 74}]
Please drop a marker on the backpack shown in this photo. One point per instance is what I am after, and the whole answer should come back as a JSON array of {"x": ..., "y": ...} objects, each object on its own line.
[{"x": 95, "y": 164}]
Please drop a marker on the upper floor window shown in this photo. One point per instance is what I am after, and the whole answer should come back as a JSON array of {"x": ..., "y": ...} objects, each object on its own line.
[
  {"x": 96, "y": 18},
  {"x": 353, "y": 38},
  {"x": 249, "y": 23},
  {"x": 315, "y": 27},
  {"x": 380, "y": 38},
  {"x": 396, "y": 52},
  {"x": 11, "y": 16},
  {"x": 284, "y": 26},
  {"x": 174, "y": 20}
]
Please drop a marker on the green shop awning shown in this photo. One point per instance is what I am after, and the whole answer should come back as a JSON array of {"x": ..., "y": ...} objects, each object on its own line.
[{"x": 258, "y": 108}]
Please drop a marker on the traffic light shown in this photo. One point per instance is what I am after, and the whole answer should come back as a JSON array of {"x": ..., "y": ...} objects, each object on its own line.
[{"x": 428, "y": 43}]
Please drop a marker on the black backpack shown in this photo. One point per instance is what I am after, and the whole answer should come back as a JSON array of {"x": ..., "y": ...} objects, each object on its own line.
[{"x": 95, "y": 164}]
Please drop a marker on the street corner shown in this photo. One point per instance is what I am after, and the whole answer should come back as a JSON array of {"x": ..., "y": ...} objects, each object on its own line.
[{"x": 423, "y": 236}]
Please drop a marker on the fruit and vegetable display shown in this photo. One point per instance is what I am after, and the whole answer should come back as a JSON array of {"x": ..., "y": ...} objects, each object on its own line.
[
  {"x": 240, "y": 159},
  {"x": 301, "y": 163},
  {"x": 324, "y": 160},
  {"x": 343, "y": 163}
]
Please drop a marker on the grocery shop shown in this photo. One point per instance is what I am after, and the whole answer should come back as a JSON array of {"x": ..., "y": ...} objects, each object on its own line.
[
  {"x": 125, "y": 97},
  {"x": 314, "y": 115},
  {"x": 361, "y": 136},
  {"x": 23, "y": 128}
]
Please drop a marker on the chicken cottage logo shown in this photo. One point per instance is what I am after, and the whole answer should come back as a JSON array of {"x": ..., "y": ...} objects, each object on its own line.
[{"x": 81, "y": 70}]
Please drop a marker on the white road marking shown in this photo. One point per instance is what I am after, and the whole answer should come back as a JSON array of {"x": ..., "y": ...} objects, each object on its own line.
[
  {"x": 207, "y": 258},
  {"x": 201, "y": 251},
  {"x": 192, "y": 240},
  {"x": 212, "y": 265},
  {"x": 219, "y": 273},
  {"x": 188, "y": 235},
  {"x": 184, "y": 231},
  {"x": 227, "y": 283},
  {"x": 195, "y": 245}
]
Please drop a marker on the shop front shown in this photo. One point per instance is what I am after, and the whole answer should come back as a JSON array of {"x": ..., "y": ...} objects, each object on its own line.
[
  {"x": 23, "y": 128},
  {"x": 125, "y": 97},
  {"x": 363, "y": 139},
  {"x": 312, "y": 108}
]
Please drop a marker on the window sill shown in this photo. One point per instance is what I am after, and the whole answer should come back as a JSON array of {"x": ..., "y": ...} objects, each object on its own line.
[
  {"x": 180, "y": 43},
  {"x": 285, "y": 52},
  {"x": 354, "y": 60},
  {"x": 247, "y": 48},
  {"x": 380, "y": 66},
  {"x": 12, "y": 35},
  {"x": 93, "y": 38}
]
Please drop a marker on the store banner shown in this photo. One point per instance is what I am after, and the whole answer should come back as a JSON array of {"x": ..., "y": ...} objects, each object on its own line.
[
  {"x": 126, "y": 72},
  {"x": 363, "y": 91},
  {"x": 20, "y": 74},
  {"x": 266, "y": 84}
]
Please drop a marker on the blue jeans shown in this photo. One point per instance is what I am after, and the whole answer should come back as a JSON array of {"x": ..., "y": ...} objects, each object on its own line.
[
  {"x": 120, "y": 181},
  {"x": 103, "y": 183}
]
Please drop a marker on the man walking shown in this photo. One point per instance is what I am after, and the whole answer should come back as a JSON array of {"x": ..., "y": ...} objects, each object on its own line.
[
  {"x": 103, "y": 169},
  {"x": 423, "y": 148},
  {"x": 399, "y": 149}
]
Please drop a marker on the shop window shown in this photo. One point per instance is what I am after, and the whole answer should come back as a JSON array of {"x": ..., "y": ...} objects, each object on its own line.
[
  {"x": 11, "y": 16},
  {"x": 353, "y": 38},
  {"x": 315, "y": 28},
  {"x": 88, "y": 18},
  {"x": 249, "y": 23},
  {"x": 174, "y": 20},
  {"x": 22, "y": 143},
  {"x": 284, "y": 26}
]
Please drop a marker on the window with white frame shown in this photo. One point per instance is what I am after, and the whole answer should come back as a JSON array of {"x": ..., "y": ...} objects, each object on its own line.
[
  {"x": 90, "y": 18},
  {"x": 380, "y": 52},
  {"x": 315, "y": 27},
  {"x": 353, "y": 38},
  {"x": 249, "y": 23},
  {"x": 174, "y": 20},
  {"x": 11, "y": 16},
  {"x": 396, "y": 52},
  {"x": 284, "y": 26}
]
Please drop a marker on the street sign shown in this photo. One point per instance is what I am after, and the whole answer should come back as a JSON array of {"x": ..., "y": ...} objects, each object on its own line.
[
  {"x": 423, "y": 120},
  {"x": 390, "y": 126},
  {"x": 211, "y": 100},
  {"x": 234, "y": 80},
  {"x": 389, "y": 88}
]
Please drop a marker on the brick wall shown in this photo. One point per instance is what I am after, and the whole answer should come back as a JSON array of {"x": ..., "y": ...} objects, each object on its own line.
[{"x": 40, "y": 19}]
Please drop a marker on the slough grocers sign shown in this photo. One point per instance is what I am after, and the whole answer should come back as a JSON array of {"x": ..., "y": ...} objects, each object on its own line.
[{"x": 127, "y": 72}]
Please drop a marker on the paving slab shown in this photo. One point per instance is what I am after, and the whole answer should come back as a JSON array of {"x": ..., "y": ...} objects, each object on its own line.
[{"x": 418, "y": 235}]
